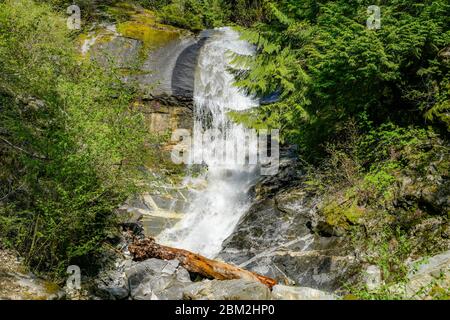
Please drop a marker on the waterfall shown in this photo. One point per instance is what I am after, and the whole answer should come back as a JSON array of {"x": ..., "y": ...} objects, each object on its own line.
[{"x": 215, "y": 211}]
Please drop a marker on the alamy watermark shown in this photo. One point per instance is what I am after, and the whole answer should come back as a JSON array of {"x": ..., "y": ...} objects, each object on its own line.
[
  {"x": 374, "y": 20},
  {"x": 214, "y": 147},
  {"x": 74, "y": 280},
  {"x": 74, "y": 21}
]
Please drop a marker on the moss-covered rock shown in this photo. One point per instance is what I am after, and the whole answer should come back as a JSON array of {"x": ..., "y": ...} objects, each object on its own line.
[
  {"x": 131, "y": 27},
  {"x": 143, "y": 26}
]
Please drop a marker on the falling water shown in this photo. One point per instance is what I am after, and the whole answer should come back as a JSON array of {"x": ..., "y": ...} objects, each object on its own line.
[{"x": 216, "y": 210}]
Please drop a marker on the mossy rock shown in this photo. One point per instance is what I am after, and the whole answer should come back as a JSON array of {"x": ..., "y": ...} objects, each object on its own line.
[
  {"x": 135, "y": 24},
  {"x": 51, "y": 287},
  {"x": 342, "y": 215},
  {"x": 145, "y": 28}
]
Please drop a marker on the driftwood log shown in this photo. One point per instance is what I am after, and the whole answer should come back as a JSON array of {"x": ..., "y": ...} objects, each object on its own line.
[{"x": 146, "y": 248}]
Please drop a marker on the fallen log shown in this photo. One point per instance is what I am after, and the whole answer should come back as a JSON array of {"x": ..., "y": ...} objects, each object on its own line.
[{"x": 147, "y": 248}]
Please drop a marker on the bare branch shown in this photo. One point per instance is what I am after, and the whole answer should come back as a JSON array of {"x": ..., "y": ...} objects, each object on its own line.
[{"x": 23, "y": 150}]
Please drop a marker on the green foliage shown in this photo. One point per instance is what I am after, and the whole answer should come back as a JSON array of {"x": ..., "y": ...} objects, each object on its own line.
[
  {"x": 342, "y": 215},
  {"x": 195, "y": 14},
  {"x": 399, "y": 289},
  {"x": 330, "y": 68},
  {"x": 391, "y": 249},
  {"x": 70, "y": 143},
  {"x": 247, "y": 12},
  {"x": 381, "y": 188}
]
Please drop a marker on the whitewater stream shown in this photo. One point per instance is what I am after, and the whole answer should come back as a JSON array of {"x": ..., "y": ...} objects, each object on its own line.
[{"x": 215, "y": 211}]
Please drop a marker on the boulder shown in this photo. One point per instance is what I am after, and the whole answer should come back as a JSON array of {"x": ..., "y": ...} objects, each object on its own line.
[
  {"x": 281, "y": 292},
  {"x": 238, "y": 289},
  {"x": 434, "y": 273},
  {"x": 112, "y": 286},
  {"x": 155, "y": 279}
]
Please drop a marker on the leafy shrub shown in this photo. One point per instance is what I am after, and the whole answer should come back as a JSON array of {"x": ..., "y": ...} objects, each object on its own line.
[
  {"x": 70, "y": 143},
  {"x": 383, "y": 189}
]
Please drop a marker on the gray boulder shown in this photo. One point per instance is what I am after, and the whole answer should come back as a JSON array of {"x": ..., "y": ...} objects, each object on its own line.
[
  {"x": 112, "y": 284},
  {"x": 280, "y": 292},
  {"x": 155, "y": 279},
  {"x": 435, "y": 272},
  {"x": 238, "y": 289}
]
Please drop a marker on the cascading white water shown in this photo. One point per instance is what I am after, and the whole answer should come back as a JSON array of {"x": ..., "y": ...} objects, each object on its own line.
[{"x": 216, "y": 210}]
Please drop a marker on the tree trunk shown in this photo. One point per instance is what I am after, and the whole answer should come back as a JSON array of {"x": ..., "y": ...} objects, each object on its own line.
[{"x": 148, "y": 248}]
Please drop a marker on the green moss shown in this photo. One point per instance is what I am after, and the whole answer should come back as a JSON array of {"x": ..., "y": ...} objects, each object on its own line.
[
  {"x": 51, "y": 287},
  {"x": 341, "y": 214},
  {"x": 151, "y": 35},
  {"x": 143, "y": 26},
  {"x": 104, "y": 38},
  {"x": 438, "y": 292}
]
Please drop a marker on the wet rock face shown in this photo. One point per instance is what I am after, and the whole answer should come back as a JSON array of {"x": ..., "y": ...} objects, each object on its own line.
[{"x": 278, "y": 236}]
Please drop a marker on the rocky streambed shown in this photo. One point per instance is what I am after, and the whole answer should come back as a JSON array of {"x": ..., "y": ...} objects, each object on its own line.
[{"x": 156, "y": 279}]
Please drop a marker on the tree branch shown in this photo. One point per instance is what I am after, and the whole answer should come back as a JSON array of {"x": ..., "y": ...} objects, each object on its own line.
[{"x": 23, "y": 150}]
